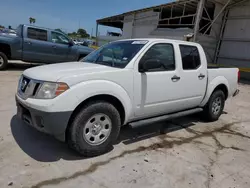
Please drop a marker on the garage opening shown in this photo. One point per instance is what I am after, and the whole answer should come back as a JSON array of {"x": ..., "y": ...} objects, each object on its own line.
[{"x": 178, "y": 16}]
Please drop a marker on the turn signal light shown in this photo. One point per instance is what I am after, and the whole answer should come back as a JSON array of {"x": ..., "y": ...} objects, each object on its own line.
[{"x": 62, "y": 87}]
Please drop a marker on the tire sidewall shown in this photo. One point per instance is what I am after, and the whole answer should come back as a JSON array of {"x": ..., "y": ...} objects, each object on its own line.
[
  {"x": 5, "y": 61},
  {"x": 214, "y": 96},
  {"x": 80, "y": 122}
]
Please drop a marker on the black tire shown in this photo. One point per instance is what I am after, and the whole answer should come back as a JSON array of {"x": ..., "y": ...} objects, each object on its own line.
[
  {"x": 3, "y": 65},
  {"x": 76, "y": 138},
  {"x": 209, "y": 113}
]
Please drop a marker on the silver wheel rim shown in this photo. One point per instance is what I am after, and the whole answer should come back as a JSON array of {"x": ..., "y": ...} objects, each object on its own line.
[
  {"x": 1, "y": 60},
  {"x": 216, "y": 106},
  {"x": 97, "y": 129}
]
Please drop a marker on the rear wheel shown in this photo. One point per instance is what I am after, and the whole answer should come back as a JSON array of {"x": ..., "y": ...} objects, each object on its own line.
[
  {"x": 215, "y": 106},
  {"x": 3, "y": 61},
  {"x": 94, "y": 129}
]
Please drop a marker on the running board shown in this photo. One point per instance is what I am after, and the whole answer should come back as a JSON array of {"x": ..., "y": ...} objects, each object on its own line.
[{"x": 143, "y": 122}]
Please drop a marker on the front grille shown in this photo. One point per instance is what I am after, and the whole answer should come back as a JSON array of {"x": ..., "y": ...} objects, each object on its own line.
[
  {"x": 28, "y": 87},
  {"x": 24, "y": 84}
]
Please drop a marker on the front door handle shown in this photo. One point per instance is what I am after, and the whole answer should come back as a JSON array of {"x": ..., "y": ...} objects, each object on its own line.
[
  {"x": 175, "y": 78},
  {"x": 201, "y": 76},
  {"x": 28, "y": 42}
]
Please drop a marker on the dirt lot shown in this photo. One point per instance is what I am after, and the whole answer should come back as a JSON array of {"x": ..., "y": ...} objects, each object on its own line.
[{"x": 182, "y": 153}]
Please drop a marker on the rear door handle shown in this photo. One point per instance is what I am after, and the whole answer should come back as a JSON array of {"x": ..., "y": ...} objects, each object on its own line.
[
  {"x": 201, "y": 76},
  {"x": 175, "y": 78},
  {"x": 54, "y": 46}
]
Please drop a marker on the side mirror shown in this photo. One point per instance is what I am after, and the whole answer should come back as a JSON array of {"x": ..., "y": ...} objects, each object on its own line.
[
  {"x": 149, "y": 64},
  {"x": 71, "y": 43}
]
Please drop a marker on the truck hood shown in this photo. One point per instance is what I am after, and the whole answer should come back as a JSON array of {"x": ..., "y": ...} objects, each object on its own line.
[{"x": 54, "y": 72}]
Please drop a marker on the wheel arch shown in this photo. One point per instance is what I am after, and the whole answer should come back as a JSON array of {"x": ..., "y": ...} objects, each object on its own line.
[
  {"x": 82, "y": 55},
  {"x": 223, "y": 88},
  {"x": 5, "y": 48},
  {"x": 217, "y": 83},
  {"x": 101, "y": 97}
]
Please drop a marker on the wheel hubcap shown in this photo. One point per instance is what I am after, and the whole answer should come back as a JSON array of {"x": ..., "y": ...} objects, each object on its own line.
[
  {"x": 1, "y": 60},
  {"x": 216, "y": 106},
  {"x": 97, "y": 129}
]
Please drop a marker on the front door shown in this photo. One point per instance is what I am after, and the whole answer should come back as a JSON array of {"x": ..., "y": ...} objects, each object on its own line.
[
  {"x": 157, "y": 91},
  {"x": 60, "y": 47}
]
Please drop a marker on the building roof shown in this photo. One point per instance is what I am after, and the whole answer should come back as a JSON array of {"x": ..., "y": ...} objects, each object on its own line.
[{"x": 117, "y": 20}]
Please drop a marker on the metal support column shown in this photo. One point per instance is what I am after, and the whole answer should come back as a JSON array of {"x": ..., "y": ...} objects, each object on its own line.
[
  {"x": 96, "y": 34},
  {"x": 133, "y": 25},
  {"x": 200, "y": 7},
  {"x": 222, "y": 29}
]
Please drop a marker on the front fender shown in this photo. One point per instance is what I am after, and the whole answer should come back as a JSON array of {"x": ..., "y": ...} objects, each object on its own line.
[
  {"x": 212, "y": 85},
  {"x": 82, "y": 91}
]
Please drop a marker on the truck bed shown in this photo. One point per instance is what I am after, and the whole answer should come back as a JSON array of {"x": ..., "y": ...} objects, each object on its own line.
[{"x": 228, "y": 74}]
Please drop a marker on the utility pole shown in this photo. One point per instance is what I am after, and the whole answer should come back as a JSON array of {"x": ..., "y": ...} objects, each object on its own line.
[{"x": 91, "y": 33}]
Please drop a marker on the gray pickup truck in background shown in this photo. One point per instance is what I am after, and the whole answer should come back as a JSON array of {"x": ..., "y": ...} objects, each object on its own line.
[{"x": 39, "y": 45}]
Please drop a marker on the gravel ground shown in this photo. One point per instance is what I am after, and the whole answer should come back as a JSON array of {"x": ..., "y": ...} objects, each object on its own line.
[{"x": 181, "y": 153}]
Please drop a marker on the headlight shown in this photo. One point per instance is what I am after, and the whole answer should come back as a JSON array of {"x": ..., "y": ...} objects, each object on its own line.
[{"x": 50, "y": 90}]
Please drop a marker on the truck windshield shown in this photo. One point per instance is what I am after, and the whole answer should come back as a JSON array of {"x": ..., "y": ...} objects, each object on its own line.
[{"x": 116, "y": 54}]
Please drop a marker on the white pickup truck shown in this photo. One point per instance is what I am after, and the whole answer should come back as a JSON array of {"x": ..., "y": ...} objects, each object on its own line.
[{"x": 134, "y": 82}]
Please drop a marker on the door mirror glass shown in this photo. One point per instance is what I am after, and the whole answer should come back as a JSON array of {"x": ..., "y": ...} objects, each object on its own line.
[{"x": 149, "y": 64}]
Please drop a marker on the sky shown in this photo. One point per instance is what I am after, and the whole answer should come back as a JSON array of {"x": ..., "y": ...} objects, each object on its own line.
[{"x": 67, "y": 15}]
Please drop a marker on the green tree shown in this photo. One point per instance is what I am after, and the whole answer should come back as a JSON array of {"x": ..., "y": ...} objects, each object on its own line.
[
  {"x": 10, "y": 27},
  {"x": 32, "y": 20},
  {"x": 2, "y": 27},
  {"x": 82, "y": 33}
]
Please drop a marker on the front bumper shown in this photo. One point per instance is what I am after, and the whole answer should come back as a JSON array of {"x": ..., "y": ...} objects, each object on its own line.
[
  {"x": 53, "y": 123},
  {"x": 236, "y": 92}
]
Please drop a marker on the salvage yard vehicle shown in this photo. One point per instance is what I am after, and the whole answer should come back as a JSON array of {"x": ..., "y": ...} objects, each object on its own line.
[
  {"x": 135, "y": 82},
  {"x": 39, "y": 45}
]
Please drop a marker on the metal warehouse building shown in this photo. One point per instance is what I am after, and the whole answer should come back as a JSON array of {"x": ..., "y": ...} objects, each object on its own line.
[{"x": 222, "y": 27}]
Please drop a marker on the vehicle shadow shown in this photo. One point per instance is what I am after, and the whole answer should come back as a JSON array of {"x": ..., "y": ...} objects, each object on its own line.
[
  {"x": 131, "y": 135},
  {"x": 40, "y": 146},
  {"x": 45, "y": 148},
  {"x": 12, "y": 66}
]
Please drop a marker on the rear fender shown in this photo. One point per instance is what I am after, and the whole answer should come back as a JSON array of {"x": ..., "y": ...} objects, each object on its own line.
[{"x": 211, "y": 87}]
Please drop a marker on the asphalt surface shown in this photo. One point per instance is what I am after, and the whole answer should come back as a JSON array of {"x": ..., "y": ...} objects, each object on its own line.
[{"x": 182, "y": 153}]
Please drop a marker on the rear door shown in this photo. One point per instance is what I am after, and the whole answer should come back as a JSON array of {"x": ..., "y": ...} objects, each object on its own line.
[
  {"x": 36, "y": 47},
  {"x": 193, "y": 74}
]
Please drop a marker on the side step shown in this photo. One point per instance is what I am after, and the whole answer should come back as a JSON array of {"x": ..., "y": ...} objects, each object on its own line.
[{"x": 143, "y": 122}]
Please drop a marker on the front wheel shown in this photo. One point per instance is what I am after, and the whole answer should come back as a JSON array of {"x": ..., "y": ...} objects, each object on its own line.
[
  {"x": 215, "y": 106},
  {"x": 94, "y": 129},
  {"x": 3, "y": 61}
]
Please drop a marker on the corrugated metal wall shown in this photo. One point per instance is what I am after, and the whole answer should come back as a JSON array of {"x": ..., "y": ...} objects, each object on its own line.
[
  {"x": 235, "y": 46},
  {"x": 144, "y": 25}
]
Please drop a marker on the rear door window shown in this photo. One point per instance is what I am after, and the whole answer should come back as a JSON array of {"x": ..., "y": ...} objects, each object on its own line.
[
  {"x": 37, "y": 34},
  {"x": 190, "y": 57}
]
